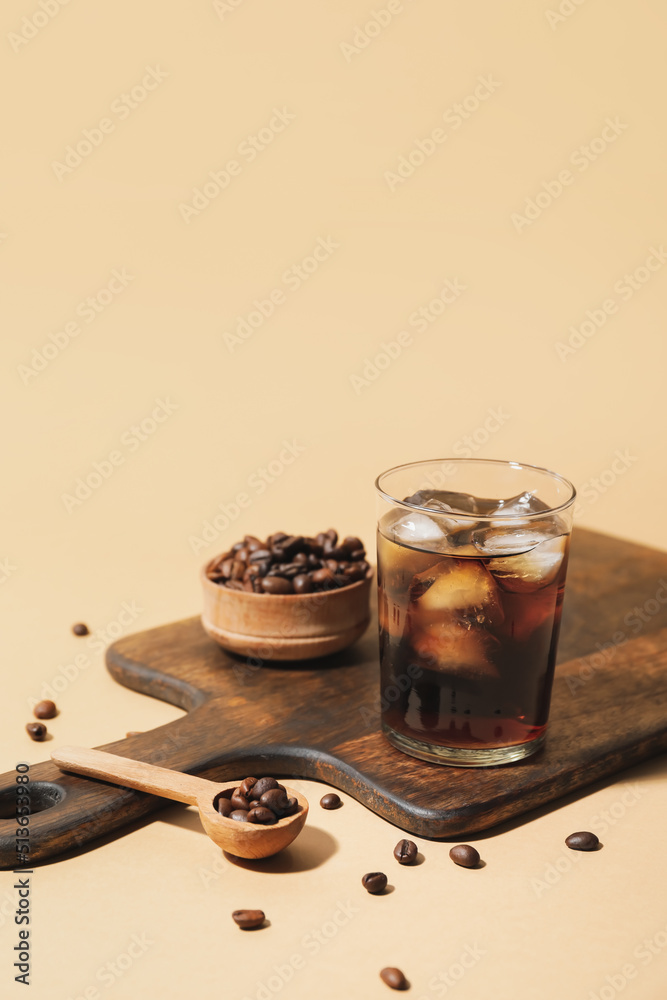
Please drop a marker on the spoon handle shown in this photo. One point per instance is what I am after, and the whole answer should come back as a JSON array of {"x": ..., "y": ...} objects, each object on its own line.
[{"x": 133, "y": 774}]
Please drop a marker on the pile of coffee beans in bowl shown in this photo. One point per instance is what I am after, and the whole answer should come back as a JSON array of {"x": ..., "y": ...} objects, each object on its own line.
[
  {"x": 257, "y": 800},
  {"x": 290, "y": 564}
]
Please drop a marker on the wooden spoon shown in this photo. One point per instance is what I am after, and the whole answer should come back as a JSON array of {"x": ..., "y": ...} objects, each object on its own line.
[{"x": 245, "y": 840}]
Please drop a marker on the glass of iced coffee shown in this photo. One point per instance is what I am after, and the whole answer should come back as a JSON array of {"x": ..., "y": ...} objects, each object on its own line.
[{"x": 472, "y": 556}]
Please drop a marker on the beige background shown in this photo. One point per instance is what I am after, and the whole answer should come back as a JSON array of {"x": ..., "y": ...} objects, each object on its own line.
[{"x": 593, "y": 413}]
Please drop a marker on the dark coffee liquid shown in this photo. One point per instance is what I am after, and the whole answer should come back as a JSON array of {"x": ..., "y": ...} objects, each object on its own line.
[{"x": 467, "y": 645}]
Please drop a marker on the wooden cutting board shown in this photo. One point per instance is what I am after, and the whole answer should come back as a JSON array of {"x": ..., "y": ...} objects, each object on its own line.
[{"x": 319, "y": 719}]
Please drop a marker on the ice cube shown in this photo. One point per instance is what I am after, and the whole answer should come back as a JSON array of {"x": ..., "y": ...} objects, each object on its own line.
[
  {"x": 418, "y": 530},
  {"x": 497, "y": 541},
  {"x": 532, "y": 569},
  {"x": 430, "y": 534},
  {"x": 522, "y": 503},
  {"x": 457, "y": 588},
  {"x": 453, "y": 647},
  {"x": 446, "y": 501}
]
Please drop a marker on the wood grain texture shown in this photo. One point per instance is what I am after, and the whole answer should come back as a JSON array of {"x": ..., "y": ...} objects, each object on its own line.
[
  {"x": 286, "y": 626},
  {"x": 609, "y": 710}
]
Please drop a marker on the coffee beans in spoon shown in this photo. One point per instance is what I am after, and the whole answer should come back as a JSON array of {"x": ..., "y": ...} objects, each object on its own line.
[
  {"x": 261, "y": 800},
  {"x": 291, "y": 564}
]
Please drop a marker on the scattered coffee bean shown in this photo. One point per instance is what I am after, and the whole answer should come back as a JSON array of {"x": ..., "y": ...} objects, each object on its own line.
[
  {"x": 36, "y": 731},
  {"x": 465, "y": 856},
  {"x": 405, "y": 852},
  {"x": 239, "y": 814},
  {"x": 261, "y": 786},
  {"x": 45, "y": 710},
  {"x": 259, "y": 814},
  {"x": 330, "y": 801},
  {"x": 582, "y": 841},
  {"x": 248, "y": 919},
  {"x": 290, "y": 564},
  {"x": 374, "y": 882},
  {"x": 80, "y": 629},
  {"x": 394, "y": 978}
]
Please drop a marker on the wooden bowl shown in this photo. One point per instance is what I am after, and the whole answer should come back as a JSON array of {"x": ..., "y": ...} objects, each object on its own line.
[{"x": 285, "y": 626}]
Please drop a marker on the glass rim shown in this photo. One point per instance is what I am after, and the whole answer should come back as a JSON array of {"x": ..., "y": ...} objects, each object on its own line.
[{"x": 508, "y": 463}]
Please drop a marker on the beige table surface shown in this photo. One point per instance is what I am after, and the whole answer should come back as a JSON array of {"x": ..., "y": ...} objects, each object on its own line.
[{"x": 439, "y": 233}]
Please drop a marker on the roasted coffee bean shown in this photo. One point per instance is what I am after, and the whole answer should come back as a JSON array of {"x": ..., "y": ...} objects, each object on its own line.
[
  {"x": 260, "y": 814},
  {"x": 262, "y": 785},
  {"x": 292, "y": 545},
  {"x": 374, "y": 882},
  {"x": 238, "y": 569},
  {"x": 394, "y": 978},
  {"x": 288, "y": 557},
  {"x": 80, "y": 629},
  {"x": 353, "y": 544},
  {"x": 241, "y": 815},
  {"x": 302, "y": 584},
  {"x": 239, "y": 801},
  {"x": 224, "y": 806},
  {"x": 45, "y": 710},
  {"x": 276, "y": 585},
  {"x": 465, "y": 856},
  {"x": 357, "y": 554},
  {"x": 582, "y": 841},
  {"x": 288, "y": 570},
  {"x": 36, "y": 731},
  {"x": 276, "y": 800},
  {"x": 406, "y": 852},
  {"x": 330, "y": 801},
  {"x": 248, "y": 919},
  {"x": 353, "y": 573},
  {"x": 292, "y": 805},
  {"x": 246, "y": 787},
  {"x": 259, "y": 555}
]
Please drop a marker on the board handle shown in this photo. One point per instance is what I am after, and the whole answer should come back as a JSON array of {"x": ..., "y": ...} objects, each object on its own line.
[{"x": 133, "y": 774}]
